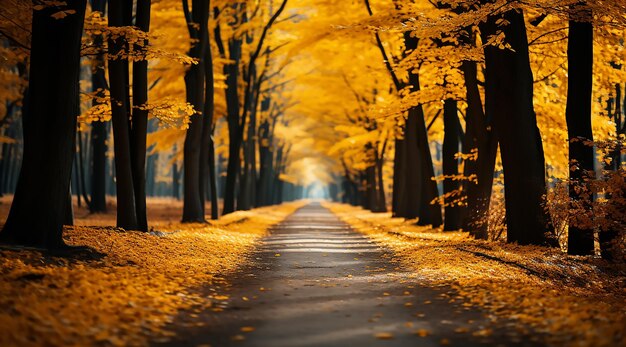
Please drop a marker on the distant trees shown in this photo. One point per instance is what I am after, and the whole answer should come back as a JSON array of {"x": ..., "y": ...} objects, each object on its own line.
[
  {"x": 501, "y": 70},
  {"x": 240, "y": 107}
]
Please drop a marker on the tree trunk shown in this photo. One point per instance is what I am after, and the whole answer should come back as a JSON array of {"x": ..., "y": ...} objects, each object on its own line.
[
  {"x": 429, "y": 214},
  {"x": 99, "y": 130},
  {"x": 207, "y": 151},
  {"x": 175, "y": 181},
  {"x": 120, "y": 110},
  {"x": 578, "y": 117},
  {"x": 266, "y": 165},
  {"x": 382, "y": 203},
  {"x": 49, "y": 129},
  {"x": 234, "y": 132},
  {"x": 410, "y": 187},
  {"x": 509, "y": 98},
  {"x": 450, "y": 164},
  {"x": 193, "y": 176},
  {"x": 478, "y": 135},
  {"x": 398, "y": 176},
  {"x": 139, "y": 125}
]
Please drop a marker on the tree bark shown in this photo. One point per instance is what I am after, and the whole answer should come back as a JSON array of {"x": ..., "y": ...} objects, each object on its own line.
[
  {"x": 49, "y": 129},
  {"x": 207, "y": 151},
  {"x": 380, "y": 191},
  {"x": 450, "y": 146},
  {"x": 119, "y": 15},
  {"x": 509, "y": 98},
  {"x": 578, "y": 117},
  {"x": 193, "y": 178},
  {"x": 478, "y": 135},
  {"x": 99, "y": 130},
  {"x": 264, "y": 188},
  {"x": 234, "y": 137},
  {"x": 139, "y": 125}
]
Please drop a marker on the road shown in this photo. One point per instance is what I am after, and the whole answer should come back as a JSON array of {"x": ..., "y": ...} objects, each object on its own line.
[{"x": 316, "y": 282}]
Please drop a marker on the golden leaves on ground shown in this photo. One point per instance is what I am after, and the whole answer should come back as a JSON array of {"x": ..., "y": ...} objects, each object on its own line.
[
  {"x": 384, "y": 336},
  {"x": 129, "y": 295},
  {"x": 567, "y": 299}
]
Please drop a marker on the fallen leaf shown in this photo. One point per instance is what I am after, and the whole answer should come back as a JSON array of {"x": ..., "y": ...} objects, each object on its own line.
[{"x": 384, "y": 336}]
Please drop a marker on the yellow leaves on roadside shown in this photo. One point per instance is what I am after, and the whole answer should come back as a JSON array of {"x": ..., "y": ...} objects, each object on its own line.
[
  {"x": 422, "y": 332},
  {"x": 384, "y": 336},
  {"x": 569, "y": 297},
  {"x": 130, "y": 294}
]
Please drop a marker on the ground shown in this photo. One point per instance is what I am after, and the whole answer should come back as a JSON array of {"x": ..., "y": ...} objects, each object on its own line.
[{"x": 325, "y": 275}]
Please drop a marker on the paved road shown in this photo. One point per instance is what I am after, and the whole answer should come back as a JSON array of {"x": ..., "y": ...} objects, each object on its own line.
[{"x": 316, "y": 282}]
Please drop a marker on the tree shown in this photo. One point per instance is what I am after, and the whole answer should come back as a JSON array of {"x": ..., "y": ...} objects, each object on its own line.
[
  {"x": 197, "y": 85},
  {"x": 578, "y": 116},
  {"x": 509, "y": 100},
  {"x": 49, "y": 127},
  {"x": 236, "y": 115},
  {"x": 129, "y": 119},
  {"x": 478, "y": 136},
  {"x": 452, "y": 128}
]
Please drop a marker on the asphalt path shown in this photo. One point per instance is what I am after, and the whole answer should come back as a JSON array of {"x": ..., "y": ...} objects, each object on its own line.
[{"x": 316, "y": 282}]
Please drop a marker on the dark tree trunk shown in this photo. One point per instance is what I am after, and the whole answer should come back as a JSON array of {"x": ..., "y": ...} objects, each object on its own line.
[
  {"x": 175, "y": 181},
  {"x": 193, "y": 178},
  {"x": 120, "y": 110},
  {"x": 49, "y": 129},
  {"x": 247, "y": 193},
  {"x": 81, "y": 168},
  {"x": 509, "y": 98},
  {"x": 264, "y": 188},
  {"x": 578, "y": 117},
  {"x": 98, "y": 167},
  {"x": 450, "y": 164},
  {"x": 99, "y": 130},
  {"x": 411, "y": 184},
  {"x": 371, "y": 195},
  {"x": 207, "y": 152},
  {"x": 398, "y": 176},
  {"x": 68, "y": 219},
  {"x": 381, "y": 200},
  {"x": 478, "y": 135},
  {"x": 139, "y": 125},
  {"x": 234, "y": 131},
  {"x": 429, "y": 214}
]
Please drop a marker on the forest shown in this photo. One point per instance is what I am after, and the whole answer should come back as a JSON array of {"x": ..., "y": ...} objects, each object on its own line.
[{"x": 312, "y": 172}]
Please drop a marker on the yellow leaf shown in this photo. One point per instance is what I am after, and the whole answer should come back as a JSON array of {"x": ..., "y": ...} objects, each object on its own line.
[{"x": 383, "y": 336}]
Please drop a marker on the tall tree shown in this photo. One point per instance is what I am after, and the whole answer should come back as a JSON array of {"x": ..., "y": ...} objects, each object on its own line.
[
  {"x": 478, "y": 136},
  {"x": 578, "y": 117},
  {"x": 509, "y": 99},
  {"x": 196, "y": 86},
  {"x": 99, "y": 130},
  {"x": 129, "y": 119},
  {"x": 49, "y": 127},
  {"x": 452, "y": 128}
]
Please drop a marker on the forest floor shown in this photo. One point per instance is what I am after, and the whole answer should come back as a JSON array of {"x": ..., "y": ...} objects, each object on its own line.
[
  {"x": 132, "y": 285},
  {"x": 569, "y": 300},
  {"x": 270, "y": 277}
]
